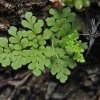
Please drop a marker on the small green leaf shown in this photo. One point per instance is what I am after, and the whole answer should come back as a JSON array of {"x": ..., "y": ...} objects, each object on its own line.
[
  {"x": 33, "y": 20},
  {"x": 16, "y": 53},
  {"x": 13, "y": 40},
  {"x": 3, "y": 42},
  {"x": 25, "y": 53},
  {"x": 41, "y": 40},
  {"x": 61, "y": 32},
  {"x": 63, "y": 78},
  {"x": 67, "y": 27},
  {"x": 12, "y": 31},
  {"x": 71, "y": 63},
  {"x": 17, "y": 47},
  {"x": 55, "y": 13},
  {"x": 13, "y": 57},
  {"x": 4, "y": 55},
  {"x": 50, "y": 21},
  {"x": 31, "y": 35},
  {"x": 60, "y": 52},
  {"x": 37, "y": 26},
  {"x": 5, "y": 62},
  {"x": 25, "y": 33},
  {"x": 48, "y": 51},
  {"x": 65, "y": 12},
  {"x": 40, "y": 22},
  {"x": 31, "y": 66},
  {"x": 15, "y": 65},
  {"x": 84, "y": 45},
  {"x": 36, "y": 72},
  {"x": 24, "y": 42},
  {"x": 47, "y": 62},
  {"x": 58, "y": 76},
  {"x": 35, "y": 43},
  {"x": 66, "y": 71},
  {"x": 26, "y": 24},
  {"x": 71, "y": 17},
  {"x": 19, "y": 35},
  {"x": 7, "y": 50},
  {"x": 47, "y": 34},
  {"x": 1, "y": 57},
  {"x": 26, "y": 60},
  {"x": 1, "y": 50},
  {"x": 53, "y": 71},
  {"x": 11, "y": 47},
  {"x": 41, "y": 67},
  {"x": 28, "y": 15}
]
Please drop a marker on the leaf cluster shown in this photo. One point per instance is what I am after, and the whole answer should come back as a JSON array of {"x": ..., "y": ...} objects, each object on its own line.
[
  {"x": 39, "y": 48},
  {"x": 78, "y": 49}
]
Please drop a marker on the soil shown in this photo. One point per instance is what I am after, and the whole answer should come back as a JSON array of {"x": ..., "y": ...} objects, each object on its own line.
[{"x": 83, "y": 83}]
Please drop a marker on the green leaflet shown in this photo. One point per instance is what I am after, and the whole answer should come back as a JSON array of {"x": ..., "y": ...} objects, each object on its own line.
[
  {"x": 38, "y": 62},
  {"x": 40, "y": 40},
  {"x": 24, "y": 42},
  {"x": 5, "y": 62},
  {"x": 17, "y": 47},
  {"x": 7, "y": 50},
  {"x": 13, "y": 40},
  {"x": 3, "y": 42},
  {"x": 65, "y": 12},
  {"x": 11, "y": 47},
  {"x": 55, "y": 13},
  {"x": 1, "y": 50},
  {"x": 47, "y": 51},
  {"x": 31, "y": 23},
  {"x": 19, "y": 35},
  {"x": 28, "y": 16},
  {"x": 55, "y": 46},
  {"x": 37, "y": 26},
  {"x": 12, "y": 31},
  {"x": 62, "y": 23},
  {"x": 16, "y": 64},
  {"x": 59, "y": 68},
  {"x": 47, "y": 34},
  {"x": 5, "y": 59},
  {"x": 73, "y": 42}
]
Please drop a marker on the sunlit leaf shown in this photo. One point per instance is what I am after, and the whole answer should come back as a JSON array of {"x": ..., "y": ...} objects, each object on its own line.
[
  {"x": 12, "y": 31},
  {"x": 13, "y": 40},
  {"x": 17, "y": 47},
  {"x": 28, "y": 15},
  {"x": 24, "y": 42},
  {"x": 36, "y": 72},
  {"x": 16, "y": 65},
  {"x": 3, "y": 42},
  {"x": 47, "y": 34},
  {"x": 5, "y": 62},
  {"x": 1, "y": 50},
  {"x": 26, "y": 24}
]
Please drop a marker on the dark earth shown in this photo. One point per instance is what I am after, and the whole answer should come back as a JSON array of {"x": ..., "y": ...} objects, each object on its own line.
[{"x": 83, "y": 83}]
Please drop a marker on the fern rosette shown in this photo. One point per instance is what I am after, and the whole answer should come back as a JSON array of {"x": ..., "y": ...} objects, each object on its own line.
[{"x": 56, "y": 47}]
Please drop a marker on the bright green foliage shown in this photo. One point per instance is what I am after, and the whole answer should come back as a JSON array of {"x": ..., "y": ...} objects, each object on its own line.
[
  {"x": 31, "y": 23},
  {"x": 63, "y": 22},
  {"x": 62, "y": 25},
  {"x": 56, "y": 47},
  {"x": 77, "y": 50}
]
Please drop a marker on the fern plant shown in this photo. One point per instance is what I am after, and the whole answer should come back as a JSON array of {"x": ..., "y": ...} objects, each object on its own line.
[{"x": 56, "y": 47}]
